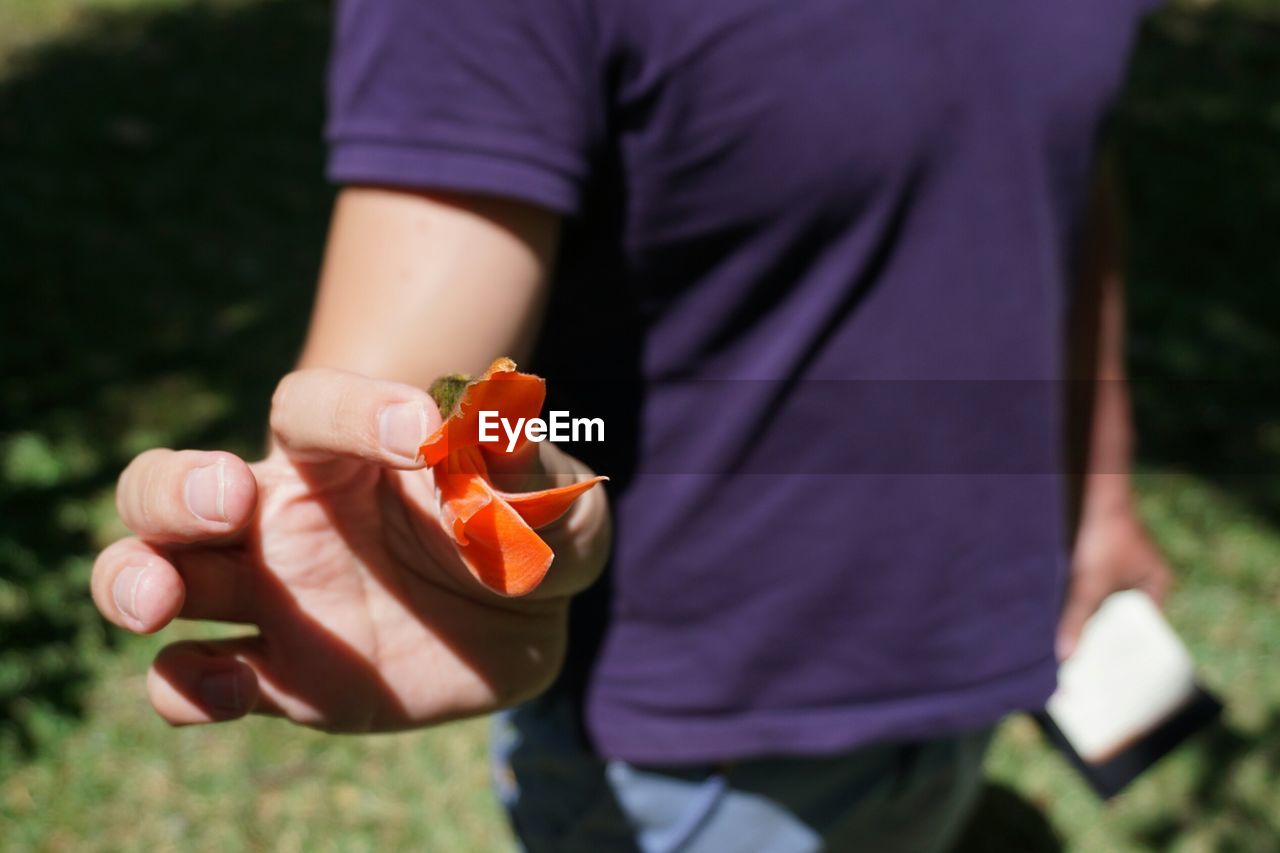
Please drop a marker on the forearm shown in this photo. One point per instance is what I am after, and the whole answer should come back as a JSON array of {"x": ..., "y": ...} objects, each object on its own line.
[
  {"x": 416, "y": 286},
  {"x": 1110, "y": 549},
  {"x": 1103, "y": 425}
]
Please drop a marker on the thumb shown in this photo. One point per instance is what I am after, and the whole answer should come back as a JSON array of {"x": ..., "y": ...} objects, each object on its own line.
[
  {"x": 1084, "y": 596},
  {"x": 319, "y": 414}
]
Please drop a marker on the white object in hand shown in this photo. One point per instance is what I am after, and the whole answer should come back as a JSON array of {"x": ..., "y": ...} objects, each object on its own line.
[{"x": 1129, "y": 673}]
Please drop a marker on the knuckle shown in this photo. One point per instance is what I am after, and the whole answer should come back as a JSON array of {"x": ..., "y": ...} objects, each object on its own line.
[
  {"x": 347, "y": 416},
  {"x": 1088, "y": 582},
  {"x": 135, "y": 484},
  {"x": 148, "y": 509},
  {"x": 1091, "y": 595}
]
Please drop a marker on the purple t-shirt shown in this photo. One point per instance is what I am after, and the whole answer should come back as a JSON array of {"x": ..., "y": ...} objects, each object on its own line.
[{"x": 813, "y": 276}]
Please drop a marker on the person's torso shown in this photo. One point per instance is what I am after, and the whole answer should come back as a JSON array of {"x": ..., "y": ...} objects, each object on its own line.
[{"x": 817, "y": 292}]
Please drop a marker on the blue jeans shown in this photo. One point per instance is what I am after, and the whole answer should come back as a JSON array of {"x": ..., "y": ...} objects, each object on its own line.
[{"x": 883, "y": 798}]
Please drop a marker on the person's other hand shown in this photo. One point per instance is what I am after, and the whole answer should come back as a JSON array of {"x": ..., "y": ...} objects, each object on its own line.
[
  {"x": 332, "y": 547},
  {"x": 1113, "y": 552}
]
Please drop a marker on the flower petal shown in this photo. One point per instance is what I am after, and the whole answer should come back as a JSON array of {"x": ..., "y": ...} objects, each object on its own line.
[
  {"x": 513, "y": 395},
  {"x": 503, "y": 552},
  {"x": 539, "y": 509}
]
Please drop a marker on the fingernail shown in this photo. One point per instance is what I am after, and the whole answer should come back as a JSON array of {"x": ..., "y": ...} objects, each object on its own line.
[
  {"x": 223, "y": 691},
  {"x": 402, "y": 428},
  {"x": 206, "y": 492},
  {"x": 125, "y": 590}
]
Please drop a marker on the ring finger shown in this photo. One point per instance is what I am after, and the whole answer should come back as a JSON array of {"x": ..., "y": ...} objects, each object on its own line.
[{"x": 141, "y": 588}]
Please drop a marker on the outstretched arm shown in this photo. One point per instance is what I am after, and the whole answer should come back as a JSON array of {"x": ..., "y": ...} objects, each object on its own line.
[{"x": 333, "y": 547}]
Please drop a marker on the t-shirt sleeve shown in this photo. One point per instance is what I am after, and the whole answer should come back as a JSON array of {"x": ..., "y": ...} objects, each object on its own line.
[{"x": 489, "y": 96}]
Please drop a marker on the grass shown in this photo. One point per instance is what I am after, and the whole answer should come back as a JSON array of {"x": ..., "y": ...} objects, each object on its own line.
[{"x": 161, "y": 212}]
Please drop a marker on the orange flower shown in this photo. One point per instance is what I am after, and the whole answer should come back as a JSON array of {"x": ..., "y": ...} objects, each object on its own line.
[{"x": 493, "y": 529}]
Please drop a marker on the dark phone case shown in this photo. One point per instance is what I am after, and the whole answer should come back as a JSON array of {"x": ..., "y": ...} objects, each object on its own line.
[{"x": 1110, "y": 777}]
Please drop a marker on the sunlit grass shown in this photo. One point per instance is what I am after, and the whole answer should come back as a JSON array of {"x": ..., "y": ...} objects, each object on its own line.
[{"x": 122, "y": 779}]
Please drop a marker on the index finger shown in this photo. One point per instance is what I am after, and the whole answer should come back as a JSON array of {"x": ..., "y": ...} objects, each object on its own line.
[{"x": 180, "y": 496}]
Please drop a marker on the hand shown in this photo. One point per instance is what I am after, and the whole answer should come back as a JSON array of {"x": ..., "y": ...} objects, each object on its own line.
[
  {"x": 1113, "y": 552},
  {"x": 332, "y": 547}
]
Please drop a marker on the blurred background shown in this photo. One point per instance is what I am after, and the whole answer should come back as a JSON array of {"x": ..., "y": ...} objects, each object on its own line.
[{"x": 162, "y": 211}]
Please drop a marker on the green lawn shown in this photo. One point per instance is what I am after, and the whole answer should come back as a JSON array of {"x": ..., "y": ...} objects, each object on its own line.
[{"x": 161, "y": 213}]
